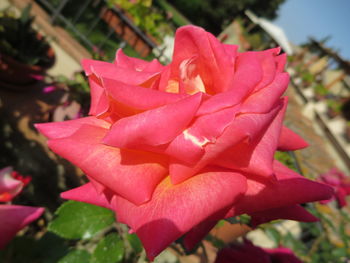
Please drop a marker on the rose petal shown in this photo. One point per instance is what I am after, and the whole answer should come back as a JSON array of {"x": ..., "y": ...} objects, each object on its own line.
[
  {"x": 292, "y": 212},
  {"x": 242, "y": 253},
  {"x": 123, "y": 61},
  {"x": 87, "y": 194},
  {"x": 197, "y": 233},
  {"x": 189, "y": 145},
  {"x": 247, "y": 127},
  {"x": 255, "y": 157},
  {"x": 269, "y": 95},
  {"x": 290, "y": 141},
  {"x": 13, "y": 218},
  {"x": 99, "y": 100},
  {"x": 62, "y": 129},
  {"x": 153, "y": 127},
  {"x": 247, "y": 75},
  {"x": 175, "y": 209},
  {"x": 122, "y": 171},
  {"x": 268, "y": 63},
  {"x": 281, "y": 61},
  {"x": 262, "y": 195},
  {"x": 340, "y": 195},
  {"x": 213, "y": 63},
  {"x": 282, "y": 254},
  {"x": 130, "y": 76},
  {"x": 139, "y": 98}
]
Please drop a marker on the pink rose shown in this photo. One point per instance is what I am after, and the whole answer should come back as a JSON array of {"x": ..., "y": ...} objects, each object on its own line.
[
  {"x": 248, "y": 252},
  {"x": 175, "y": 148},
  {"x": 340, "y": 183},
  {"x": 11, "y": 184},
  {"x": 13, "y": 217}
]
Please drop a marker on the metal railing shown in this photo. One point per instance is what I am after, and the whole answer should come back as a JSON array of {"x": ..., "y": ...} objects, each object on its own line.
[{"x": 58, "y": 11}]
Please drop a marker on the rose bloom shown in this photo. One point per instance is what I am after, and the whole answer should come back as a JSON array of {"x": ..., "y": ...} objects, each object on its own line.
[
  {"x": 340, "y": 183},
  {"x": 172, "y": 149},
  {"x": 248, "y": 252},
  {"x": 13, "y": 217}
]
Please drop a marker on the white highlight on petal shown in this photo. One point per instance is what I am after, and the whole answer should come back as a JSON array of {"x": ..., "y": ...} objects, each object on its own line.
[
  {"x": 194, "y": 139},
  {"x": 198, "y": 83},
  {"x": 190, "y": 77}
]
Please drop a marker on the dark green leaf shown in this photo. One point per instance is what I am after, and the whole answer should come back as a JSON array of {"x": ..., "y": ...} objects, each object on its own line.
[
  {"x": 135, "y": 243},
  {"x": 76, "y": 220},
  {"x": 216, "y": 242},
  {"x": 76, "y": 256},
  {"x": 274, "y": 235},
  {"x": 109, "y": 250},
  {"x": 50, "y": 248},
  {"x": 241, "y": 219},
  {"x": 25, "y": 16},
  {"x": 233, "y": 220}
]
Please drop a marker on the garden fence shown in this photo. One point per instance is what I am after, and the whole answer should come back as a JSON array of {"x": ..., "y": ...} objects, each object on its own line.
[{"x": 100, "y": 27}]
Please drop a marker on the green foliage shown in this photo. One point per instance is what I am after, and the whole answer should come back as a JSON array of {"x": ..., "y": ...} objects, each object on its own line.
[
  {"x": 274, "y": 234},
  {"x": 76, "y": 220},
  {"x": 109, "y": 250},
  {"x": 334, "y": 105},
  {"x": 75, "y": 256},
  {"x": 307, "y": 77},
  {"x": 241, "y": 219},
  {"x": 135, "y": 243},
  {"x": 176, "y": 16},
  {"x": 49, "y": 249},
  {"x": 212, "y": 14},
  {"x": 20, "y": 41},
  {"x": 146, "y": 16},
  {"x": 321, "y": 90},
  {"x": 216, "y": 242},
  {"x": 286, "y": 159},
  {"x": 325, "y": 241}
]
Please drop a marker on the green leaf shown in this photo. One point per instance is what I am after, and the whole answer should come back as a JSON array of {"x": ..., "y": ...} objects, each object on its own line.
[
  {"x": 109, "y": 250},
  {"x": 135, "y": 243},
  {"x": 50, "y": 248},
  {"x": 339, "y": 252},
  {"x": 76, "y": 220},
  {"x": 25, "y": 16},
  {"x": 241, "y": 219},
  {"x": 76, "y": 256},
  {"x": 216, "y": 242},
  {"x": 274, "y": 235},
  {"x": 294, "y": 244}
]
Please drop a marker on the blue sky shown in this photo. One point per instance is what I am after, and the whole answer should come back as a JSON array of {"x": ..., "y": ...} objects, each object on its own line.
[{"x": 317, "y": 18}]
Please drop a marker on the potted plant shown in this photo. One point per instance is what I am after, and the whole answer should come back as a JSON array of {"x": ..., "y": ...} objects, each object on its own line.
[
  {"x": 334, "y": 108},
  {"x": 307, "y": 78},
  {"x": 320, "y": 92},
  {"x": 25, "y": 55}
]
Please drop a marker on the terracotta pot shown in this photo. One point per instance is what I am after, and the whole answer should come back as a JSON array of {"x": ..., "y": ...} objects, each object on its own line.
[
  {"x": 347, "y": 134},
  {"x": 318, "y": 97},
  {"x": 126, "y": 32},
  {"x": 331, "y": 113},
  {"x": 17, "y": 75}
]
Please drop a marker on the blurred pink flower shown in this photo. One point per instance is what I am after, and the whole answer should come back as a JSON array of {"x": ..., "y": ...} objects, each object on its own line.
[
  {"x": 11, "y": 183},
  {"x": 340, "y": 183},
  {"x": 249, "y": 253},
  {"x": 49, "y": 89},
  {"x": 14, "y": 217}
]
